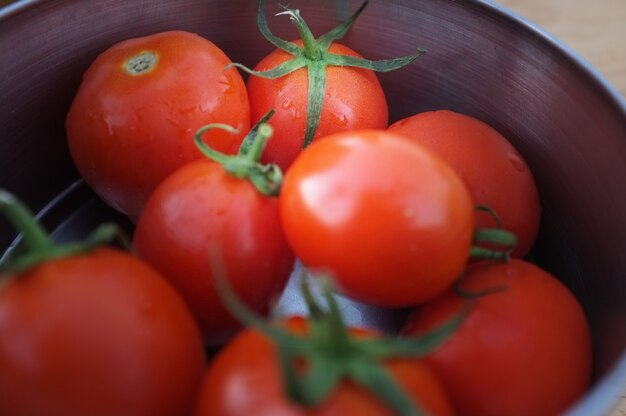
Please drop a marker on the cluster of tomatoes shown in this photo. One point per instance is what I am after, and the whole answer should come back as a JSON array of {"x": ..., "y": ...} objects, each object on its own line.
[{"x": 407, "y": 215}]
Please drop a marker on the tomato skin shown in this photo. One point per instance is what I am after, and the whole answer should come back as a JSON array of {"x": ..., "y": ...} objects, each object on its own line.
[
  {"x": 127, "y": 132},
  {"x": 245, "y": 379},
  {"x": 354, "y": 99},
  {"x": 389, "y": 220},
  {"x": 96, "y": 334},
  {"x": 201, "y": 205},
  {"x": 522, "y": 351},
  {"x": 493, "y": 170}
]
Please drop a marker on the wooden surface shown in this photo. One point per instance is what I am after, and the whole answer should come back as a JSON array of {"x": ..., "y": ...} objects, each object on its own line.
[{"x": 595, "y": 29}]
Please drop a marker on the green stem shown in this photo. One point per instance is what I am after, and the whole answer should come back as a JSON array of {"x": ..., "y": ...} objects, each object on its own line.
[
  {"x": 248, "y": 141},
  {"x": 338, "y": 32},
  {"x": 482, "y": 253},
  {"x": 38, "y": 247},
  {"x": 312, "y": 49},
  {"x": 267, "y": 179},
  {"x": 35, "y": 237},
  {"x": 491, "y": 212},
  {"x": 330, "y": 351},
  {"x": 213, "y": 154},
  {"x": 378, "y": 380},
  {"x": 496, "y": 238},
  {"x": 264, "y": 132},
  {"x": 317, "y": 88},
  {"x": 469, "y": 295},
  {"x": 315, "y": 57},
  {"x": 287, "y": 46}
]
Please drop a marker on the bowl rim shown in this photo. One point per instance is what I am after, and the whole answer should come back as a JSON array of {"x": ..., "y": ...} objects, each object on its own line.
[{"x": 605, "y": 393}]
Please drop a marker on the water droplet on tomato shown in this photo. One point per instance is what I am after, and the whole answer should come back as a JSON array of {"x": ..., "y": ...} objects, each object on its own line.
[
  {"x": 226, "y": 85},
  {"x": 517, "y": 162},
  {"x": 286, "y": 104},
  {"x": 339, "y": 119},
  {"x": 295, "y": 113},
  {"x": 173, "y": 121},
  {"x": 109, "y": 124}
]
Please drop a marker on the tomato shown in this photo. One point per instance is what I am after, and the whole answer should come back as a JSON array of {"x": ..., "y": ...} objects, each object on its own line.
[
  {"x": 494, "y": 172},
  {"x": 353, "y": 99},
  {"x": 199, "y": 206},
  {"x": 523, "y": 350},
  {"x": 96, "y": 334},
  {"x": 388, "y": 219},
  {"x": 245, "y": 379},
  {"x": 134, "y": 116}
]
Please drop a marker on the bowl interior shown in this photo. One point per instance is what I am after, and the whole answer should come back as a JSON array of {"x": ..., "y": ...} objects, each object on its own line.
[{"x": 481, "y": 61}]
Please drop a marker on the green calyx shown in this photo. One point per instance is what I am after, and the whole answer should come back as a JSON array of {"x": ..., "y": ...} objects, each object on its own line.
[
  {"x": 315, "y": 57},
  {"x": 267, "y": 179},
  {"x": 331, "y": 353},
  {"x": 36, "y": 246},
  {"x": 501, "y": 242}
]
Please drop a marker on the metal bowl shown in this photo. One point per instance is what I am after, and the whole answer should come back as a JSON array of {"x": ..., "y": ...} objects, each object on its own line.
[{"x": 482, "y": 60}]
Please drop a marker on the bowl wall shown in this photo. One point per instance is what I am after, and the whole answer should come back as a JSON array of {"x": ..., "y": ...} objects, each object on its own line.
[{"x": 567, "y": 123}]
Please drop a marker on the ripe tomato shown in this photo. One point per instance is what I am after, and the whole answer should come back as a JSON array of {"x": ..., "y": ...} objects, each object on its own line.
[
  {"x": 134, "y": 116},
  {"x": 201, "y": 205},
  {"x": 524, "y": 350},
  {"x": 245, "y": 379},
  {"x": 96, "y": 334},
  {"x": 388, "y": 219},
  {"x": 494, "y": 172},
  {"x": 353, "y": 99}
]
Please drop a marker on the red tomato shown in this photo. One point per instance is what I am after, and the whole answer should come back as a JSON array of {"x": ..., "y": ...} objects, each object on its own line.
[
  {"x": 245, "y": 379},
  {"x": 127, "y": 131},
  {"x": 200, "y": 205},
  {"x": 388, "y": 219},
  {"x": 494, "y": 172},
  {"x": 353, "y": 99},
  {"x": 525, "y": 350},
  {"x": 96, "y": 334}
]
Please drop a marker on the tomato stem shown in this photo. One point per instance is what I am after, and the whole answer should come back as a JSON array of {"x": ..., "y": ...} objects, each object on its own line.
[
  {"x": 312, "y": 49},
  {"x": 38, "y": 245},
  {"x": 314, "y": 56},
  {"x": 267, "y": 179},
  {"x": 330, "y": 351},
  {"x": 469, "y": 295},
  {"x": 34, "y": 235},
  {"x": 502, "y": 242}
]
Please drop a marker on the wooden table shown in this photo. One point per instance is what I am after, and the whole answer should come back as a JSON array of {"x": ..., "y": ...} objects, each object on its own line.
[{"x": 597, "y": 31}]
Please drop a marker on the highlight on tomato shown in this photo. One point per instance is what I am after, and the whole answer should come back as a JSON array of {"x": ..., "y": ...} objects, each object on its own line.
[
  {"x": 134, "y": 116},
  {"x": 386, "y": 218},
  {"x": 88, "y": 330},
  {"x": 224, "y": 200},
  {"x": 317, "y": 87},
  {"x": 493, "y": 170},
  {"x": 318, "y": 366},
  {"x": 524, "y": 347}
]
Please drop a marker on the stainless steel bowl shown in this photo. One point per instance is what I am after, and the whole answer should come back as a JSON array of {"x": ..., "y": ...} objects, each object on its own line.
[{"x": 482, "y": 60}]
